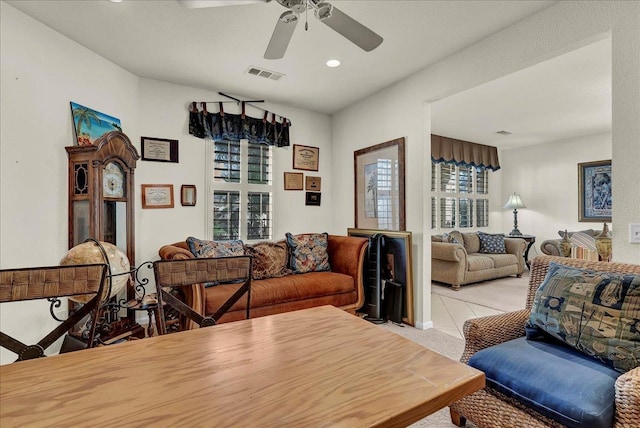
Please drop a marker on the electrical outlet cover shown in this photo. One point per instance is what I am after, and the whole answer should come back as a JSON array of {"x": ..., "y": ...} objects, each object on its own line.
[{"x": 634, "y": 233}]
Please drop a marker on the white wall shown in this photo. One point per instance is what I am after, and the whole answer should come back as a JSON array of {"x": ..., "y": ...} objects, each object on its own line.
[
  {"x": 546, "y": 177},
  {"x": 398, "y": 111},
  {"x": 41, "y": 71}
]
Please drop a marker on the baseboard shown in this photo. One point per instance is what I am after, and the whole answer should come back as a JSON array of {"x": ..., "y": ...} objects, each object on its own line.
[{"x": 424, "y": 325}]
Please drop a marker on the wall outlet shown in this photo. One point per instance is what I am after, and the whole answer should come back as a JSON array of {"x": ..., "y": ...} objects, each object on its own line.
[{"x": 634, "y": 233}]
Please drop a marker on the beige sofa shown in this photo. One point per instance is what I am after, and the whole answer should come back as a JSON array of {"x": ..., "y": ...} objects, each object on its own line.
[{"x": 459, "y": 264}]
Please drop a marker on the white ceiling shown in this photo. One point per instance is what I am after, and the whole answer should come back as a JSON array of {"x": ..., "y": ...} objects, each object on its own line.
[{"x": 212, "y": 49}]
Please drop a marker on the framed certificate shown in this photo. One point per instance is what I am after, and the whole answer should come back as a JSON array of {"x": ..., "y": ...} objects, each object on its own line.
[
  {"x": 157, "y": 196},
  {"x": 159, "y": 149},
  {"x": 305, "y": 157},
  {"x": 293, "y": 180}
]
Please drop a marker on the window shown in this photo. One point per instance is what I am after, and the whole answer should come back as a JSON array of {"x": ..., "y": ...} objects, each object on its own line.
[
  {"x": 460, "y": 196},
  {"x": 240, "y": 181}
]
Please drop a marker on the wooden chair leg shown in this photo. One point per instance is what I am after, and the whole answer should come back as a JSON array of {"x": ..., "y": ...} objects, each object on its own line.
[{"x": 457, "y": 419}]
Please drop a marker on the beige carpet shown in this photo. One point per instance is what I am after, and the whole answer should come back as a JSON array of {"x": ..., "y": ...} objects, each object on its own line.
[
  {"x": 446, "y": 345},
  {"x": 504, "y": 294}
]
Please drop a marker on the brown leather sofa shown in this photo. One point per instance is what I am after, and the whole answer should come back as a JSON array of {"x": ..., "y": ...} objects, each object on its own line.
[
  {"x": 341, "y": 287},
  {"x": 459, "y": 264}
]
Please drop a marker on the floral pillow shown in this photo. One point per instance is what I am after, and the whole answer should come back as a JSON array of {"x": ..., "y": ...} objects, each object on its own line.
[
  {"x": 206, "y": 249},
  {"x": 597, "y": 313},
  {"x": 308, "y": 252},
  {"x": 492, "y": 244},
  {"x": 269, "y": 259}
]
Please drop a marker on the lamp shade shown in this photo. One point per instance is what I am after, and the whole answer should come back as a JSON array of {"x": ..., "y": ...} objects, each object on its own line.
[{"x": 514, "y": 202}]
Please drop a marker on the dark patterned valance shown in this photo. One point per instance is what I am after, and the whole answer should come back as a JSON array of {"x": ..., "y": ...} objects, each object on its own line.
[
  {"x": 458, "y": 152},
  {"x": 234, "y": 127}
]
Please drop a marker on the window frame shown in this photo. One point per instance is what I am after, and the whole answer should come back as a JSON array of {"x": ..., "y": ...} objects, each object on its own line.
[
  {"x": 243, "y": 187},
  {"x": 472, "y": 197}
]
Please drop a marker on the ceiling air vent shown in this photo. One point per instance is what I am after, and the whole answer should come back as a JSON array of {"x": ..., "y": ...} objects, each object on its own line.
[{"x": 267, "y": 74}]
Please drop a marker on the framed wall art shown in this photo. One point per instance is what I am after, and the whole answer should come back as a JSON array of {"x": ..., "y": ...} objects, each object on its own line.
[
  {"x": 313, "y": 198},
  {"x": 159, "y": 149},
  {"x": 293, "y": 180},
  {"x": 379, "y": 186},
  {"x": 188, "y": 195},
  {"x": 594, "y": 191},
  {"x": 305, "y": 157},
  {"x": 157, "y": 196},
  {"x": 313, "y": 183},
  {"x": 90, "y": 124},
  {"x": 398, "y": 263}
]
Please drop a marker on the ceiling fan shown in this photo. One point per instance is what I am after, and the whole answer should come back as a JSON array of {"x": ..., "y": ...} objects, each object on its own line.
[{"x": 328, "y": 14}]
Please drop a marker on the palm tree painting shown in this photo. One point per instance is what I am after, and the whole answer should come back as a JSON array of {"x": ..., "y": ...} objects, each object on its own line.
[
  {"x": 371, "y": 193},
  {"x": 90, "y": 124}
]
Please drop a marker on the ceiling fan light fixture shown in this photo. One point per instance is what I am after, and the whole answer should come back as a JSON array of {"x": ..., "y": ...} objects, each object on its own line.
[
  {"x": 323, "y": 11},
  {"x": 333, "y": 63}
]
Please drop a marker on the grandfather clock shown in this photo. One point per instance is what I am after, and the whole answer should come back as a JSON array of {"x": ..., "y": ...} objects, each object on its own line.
[{"x": 101, "y": 192}]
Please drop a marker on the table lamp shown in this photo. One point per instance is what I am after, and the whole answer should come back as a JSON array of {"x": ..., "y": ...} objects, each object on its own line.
[{"x": 514, "y": 202}]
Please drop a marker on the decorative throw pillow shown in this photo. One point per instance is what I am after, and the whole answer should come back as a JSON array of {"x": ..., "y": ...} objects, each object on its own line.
[
  {"x": 492, "y": 244},
  {"x": 583, "y": 240},
  {"x": 452, "y": 238},
  {"x": 205, "y": 249},
  {"x": 308, "y": 252},
  {"x": 597, "y": 313},
  {"x": 269, "y": 259}
]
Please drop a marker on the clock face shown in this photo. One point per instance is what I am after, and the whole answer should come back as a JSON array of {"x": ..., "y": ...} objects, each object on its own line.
[{"x": 113, "y": 181}]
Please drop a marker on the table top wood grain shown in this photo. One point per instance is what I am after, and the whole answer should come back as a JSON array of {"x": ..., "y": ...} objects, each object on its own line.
[{"x": 312, "y": 368}]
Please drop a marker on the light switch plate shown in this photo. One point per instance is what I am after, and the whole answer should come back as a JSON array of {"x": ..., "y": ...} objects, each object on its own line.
[{"x": 634, "y": 233}]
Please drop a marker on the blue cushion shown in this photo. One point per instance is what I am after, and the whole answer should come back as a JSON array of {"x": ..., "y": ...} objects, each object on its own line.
[{"x": 553, "y": 379}]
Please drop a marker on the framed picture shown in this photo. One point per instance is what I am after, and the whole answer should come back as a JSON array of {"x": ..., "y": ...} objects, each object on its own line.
[
  {"x": 313, "y": 183},
  {"x": 379, "y": 186},
  {"x": 305, "y": 157},
  {"x": 397, "y": 263},
  {"x": 312, "y": 198},
  {"x": 157, "y": 196},
  {"x": 89, "y": 124},
  {"x": 159, "y": 149},
  {"x": 188, "y": 195},
  {"x": 293, "y": 180},
  {"x": 594, "y": 191}
]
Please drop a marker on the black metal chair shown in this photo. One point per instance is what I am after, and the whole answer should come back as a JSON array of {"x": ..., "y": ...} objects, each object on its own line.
[
  {"x": 52, "y": 283},
  {"x": 215, "y": 272}
]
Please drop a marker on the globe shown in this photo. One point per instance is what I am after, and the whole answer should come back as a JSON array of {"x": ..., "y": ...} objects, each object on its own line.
[{"x": 89, "y": 252}]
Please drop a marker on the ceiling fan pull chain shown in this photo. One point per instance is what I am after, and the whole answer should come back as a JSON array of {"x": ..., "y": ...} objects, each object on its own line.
[{"x": 306, "y": 16}]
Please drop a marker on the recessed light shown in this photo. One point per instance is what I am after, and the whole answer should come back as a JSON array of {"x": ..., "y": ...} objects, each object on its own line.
[
  {"x": 116, "y": 1},
  {"x": 333, "y": 63},
  {"x": 503, "y": 132}
]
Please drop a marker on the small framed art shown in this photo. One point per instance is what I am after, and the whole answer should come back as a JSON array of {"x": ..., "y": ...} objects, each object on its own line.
[
  {"x": 188, "y": 195},
  {"x": 293, "y": 180},
  {"x": 313, "y": 183},
  {"x": 157, "y": 196},
  {"x": 159, "y": 149},
  {"x": 312, "y": 198}
]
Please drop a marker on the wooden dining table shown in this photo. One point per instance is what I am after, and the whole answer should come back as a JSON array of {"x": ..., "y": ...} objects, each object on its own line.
[{"x": 317, "y": 367}]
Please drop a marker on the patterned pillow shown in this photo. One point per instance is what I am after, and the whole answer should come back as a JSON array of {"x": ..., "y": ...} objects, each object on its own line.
[
  {"x": 308, "y": 252},
  {"x": 452, "y": 238},
  {"x": 597, "y": 313},
  {"x": 205, "y": 249},
  {"x": 492, "y": 244},
  {"x": 269, "y": 259},
  {"x": 583, "y": 240}
]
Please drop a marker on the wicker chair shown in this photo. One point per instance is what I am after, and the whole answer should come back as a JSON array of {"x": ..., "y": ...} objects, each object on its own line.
[
  {"x": 221, "y": 271},
  {"x": 52, "y": 283},
  {"x": 488, "y": 408}
]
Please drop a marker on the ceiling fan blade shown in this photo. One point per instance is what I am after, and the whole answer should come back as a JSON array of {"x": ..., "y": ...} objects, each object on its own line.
[
  {"x": 281, "y": 35},
  {"x": 197, "y": 4},
  {"x": 348, "y": 27}
]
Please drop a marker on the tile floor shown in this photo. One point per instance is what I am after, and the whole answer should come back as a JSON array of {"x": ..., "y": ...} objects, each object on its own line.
[{"x": 448, "y": 315}]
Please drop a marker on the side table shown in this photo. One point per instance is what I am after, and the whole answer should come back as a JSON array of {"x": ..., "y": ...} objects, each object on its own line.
[
  {"x": 530, "y": 239},
  {"x": 148, "y": 303}
]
